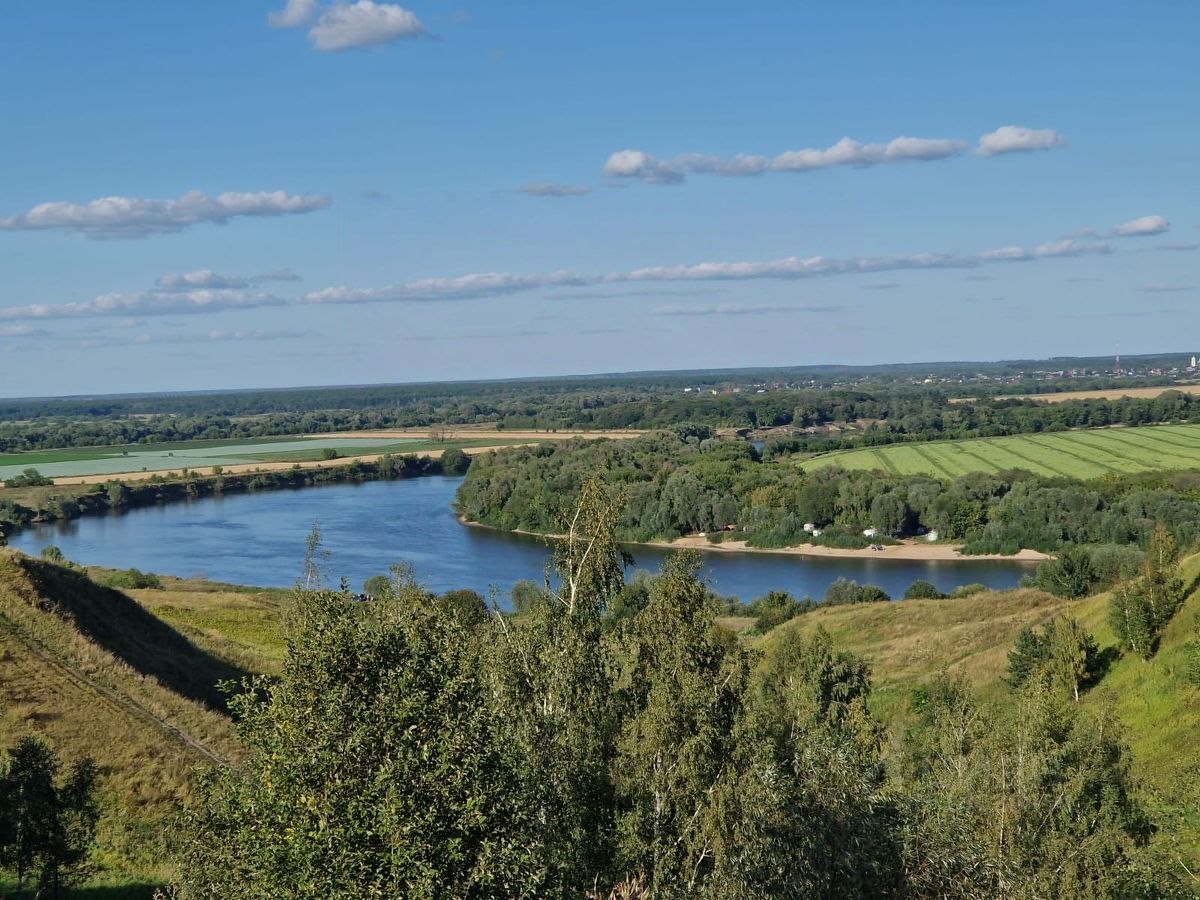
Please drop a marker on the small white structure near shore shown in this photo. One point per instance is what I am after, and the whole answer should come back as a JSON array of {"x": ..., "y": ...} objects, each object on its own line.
[
  {"x": 810, "y": 527},
  {"x": 869, "y": 532},
  {"x": 932, "y": 536}
]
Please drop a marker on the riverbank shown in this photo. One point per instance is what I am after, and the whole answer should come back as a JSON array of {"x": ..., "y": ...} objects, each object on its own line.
[
  {"x": 910, "y": 550},
  {"x": 907, "y": 551}
]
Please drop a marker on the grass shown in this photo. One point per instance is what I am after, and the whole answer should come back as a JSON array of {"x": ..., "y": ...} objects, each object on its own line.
[
  {"x": 1074, "y": 454},
  {"x": 203, "y": 455},
  {"x": 94, "y": 673},
  {"x": 910, "y": 642}
]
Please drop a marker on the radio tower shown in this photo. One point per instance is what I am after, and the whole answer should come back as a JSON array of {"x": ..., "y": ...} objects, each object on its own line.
[{"x": 1117, "y": 366}]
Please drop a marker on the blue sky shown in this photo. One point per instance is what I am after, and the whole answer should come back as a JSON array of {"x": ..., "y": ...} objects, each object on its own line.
[{"x": 241, "y": 194}]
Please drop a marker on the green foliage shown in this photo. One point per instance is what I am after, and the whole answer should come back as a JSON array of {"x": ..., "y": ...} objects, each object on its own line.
[
  {"x": 1062, "y": 649},
  {"x": 846, "y": 590},
  {"x": 455, "y": 461},
  {"x": 53, "y": 554},
  {"x": 922, "y": 590},
  {"x": 1036, "y": 801},
  {"x": 1070, "y": 574},
  {"x": 46, "y": 826},
  {"x": 1191, "y": 655},
  {"x": 133, "y": 579},
  {"x": 377, "y": 587},
  {"x": 968, "y": 590},
  {"x": 373, "y": 767},
  {"x": 774, "y": 609},
  {"x": 804, "y": 812},
  {"x": 1141, "y": 609},
  {"x": 28, "y": 478},
  {"x": 1029, "y": 654}
]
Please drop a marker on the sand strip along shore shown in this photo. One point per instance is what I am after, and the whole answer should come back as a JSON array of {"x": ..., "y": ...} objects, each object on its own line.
[{"x": 905, "y": 550}]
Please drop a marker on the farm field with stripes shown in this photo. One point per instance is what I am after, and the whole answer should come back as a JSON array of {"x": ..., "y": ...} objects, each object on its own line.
[{"x": 1076, "y": 454}]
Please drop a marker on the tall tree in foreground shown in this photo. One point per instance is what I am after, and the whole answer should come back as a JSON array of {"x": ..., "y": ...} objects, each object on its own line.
[
  {"x": 684, "y": 678},
  {"x": 46, "y": 827},
  {"x": 804, "y": 813},
  {"x": 550, "y": 685},
  {"x": 373, "y": 767},
  {"x": 1034, "y": 802}
]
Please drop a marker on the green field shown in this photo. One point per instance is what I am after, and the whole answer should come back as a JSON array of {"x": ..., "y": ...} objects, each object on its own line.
[
  {"x": 1076, "y": 454},
  {"x": 165, "y": 457}
]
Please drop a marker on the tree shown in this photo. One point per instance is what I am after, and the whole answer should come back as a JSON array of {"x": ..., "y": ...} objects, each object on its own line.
[
  {"x": 676, "y": 743},
  {"x": 548, "y": 671},
  {"x": 1141, "y": 609},
  {"x": 1030, "y": 652},
  {"x": 46, "y": 827},
  {"x": 922, "y": 590},
  {"x": 374, "y": 767},
  {"x": 804, "y": 812},
  {"x": 1070, "y": 574},
  {"x": 1072, "y": 654},
  {"x": 455, "y": 461},
  {"x": 1036, "y": 801}
]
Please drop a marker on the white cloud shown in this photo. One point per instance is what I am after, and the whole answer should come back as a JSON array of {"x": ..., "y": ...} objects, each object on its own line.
[
  {"x": 734, "y": 309},
  {"x": 637, "y": 164},
  {"x": 132, "y": 217},
  {"x": 346, "y": 26},
  {"x": 208, "y": 279},
  {"x": 176, "y": 295},
  {"x": 149, "y": 303},
  {"x": 20, "y": 331},
  {"x": 848, "y": 152},
  {"x": 550, "y": 189},
  {"x": 1141, "y": 226},
  {"x": 294, "y": 13},
  {"x": 1016, "y": 139},
  {"x": 1066, "y": 247}
]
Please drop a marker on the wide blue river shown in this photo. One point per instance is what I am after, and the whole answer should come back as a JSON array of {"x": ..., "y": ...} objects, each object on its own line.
[{"x": 260, "y": 538}]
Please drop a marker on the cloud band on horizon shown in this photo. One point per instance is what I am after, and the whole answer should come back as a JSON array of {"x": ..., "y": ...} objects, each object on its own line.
[{"x": 173, "y": 297}]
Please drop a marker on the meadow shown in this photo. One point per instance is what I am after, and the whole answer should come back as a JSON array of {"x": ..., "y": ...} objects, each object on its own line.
[
  {"x": 164, "y": 457},
  {"x": 1073, "y": 454}
]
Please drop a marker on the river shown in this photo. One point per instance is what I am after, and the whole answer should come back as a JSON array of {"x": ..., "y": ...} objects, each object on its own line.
[{"x": 259, "y": 539}]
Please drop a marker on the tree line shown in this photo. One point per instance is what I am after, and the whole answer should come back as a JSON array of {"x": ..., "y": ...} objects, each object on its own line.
[{"x": 686, "y": 481}]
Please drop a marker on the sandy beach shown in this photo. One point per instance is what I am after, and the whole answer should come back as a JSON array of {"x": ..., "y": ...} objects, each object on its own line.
[{"x": 906, "y": 550}]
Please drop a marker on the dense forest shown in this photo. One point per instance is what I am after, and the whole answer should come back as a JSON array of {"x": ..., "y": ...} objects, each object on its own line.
[
  {"x": 882, "y": 404},
  {"x": 419, "y": 745},
  {"x": 685, "y": 481}
]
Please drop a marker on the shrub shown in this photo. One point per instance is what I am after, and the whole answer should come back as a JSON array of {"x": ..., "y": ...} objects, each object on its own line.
[
  {"x": 969, "y": 590},
  {"x": 922, "y": 590},
  {"x": 134, "y": 579}
]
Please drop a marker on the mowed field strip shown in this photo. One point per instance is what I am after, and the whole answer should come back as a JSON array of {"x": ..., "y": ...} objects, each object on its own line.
[
  {"x": 203, "y": 455},
  {"x": 1075, "y": 454},
  {"x": 1139, "y": 393}
]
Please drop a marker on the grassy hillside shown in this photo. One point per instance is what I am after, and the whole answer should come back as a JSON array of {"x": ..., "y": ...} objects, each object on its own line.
[
  {"x": 910, "y": 642},
  {"x": 1076, "y": 454},
  {"x": 93, "y": 672}
]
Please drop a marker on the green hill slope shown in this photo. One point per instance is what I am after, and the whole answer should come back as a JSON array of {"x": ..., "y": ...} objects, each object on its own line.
[
  {"x": 90, "y": 670},
  {"x": 911, "y": 641}
]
